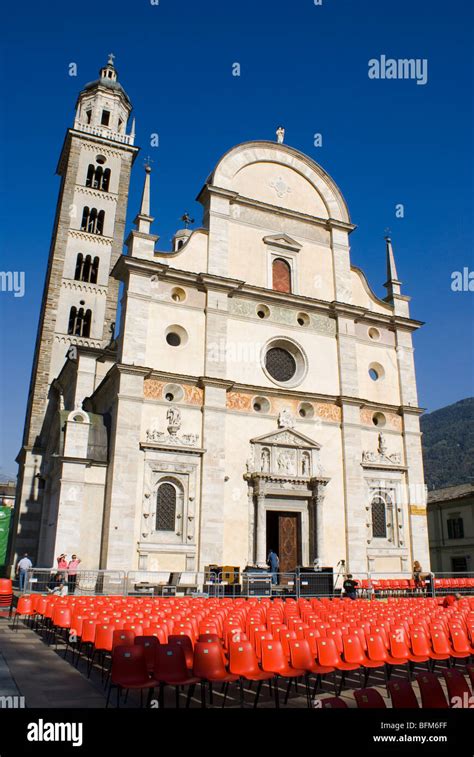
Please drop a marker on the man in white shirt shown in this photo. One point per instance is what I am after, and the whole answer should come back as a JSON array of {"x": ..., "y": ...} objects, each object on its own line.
[{"x": 22, "y": 568}]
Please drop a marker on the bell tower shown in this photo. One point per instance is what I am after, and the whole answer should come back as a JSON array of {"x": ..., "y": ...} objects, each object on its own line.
[{"x": 79, "y": 298}]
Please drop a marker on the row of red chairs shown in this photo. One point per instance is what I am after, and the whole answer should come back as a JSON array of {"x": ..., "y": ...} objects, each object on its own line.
[
  {"x": 403, "y": 696},
  {"x": 341, "y": 635},
  {"x": 161, "y": 665}
]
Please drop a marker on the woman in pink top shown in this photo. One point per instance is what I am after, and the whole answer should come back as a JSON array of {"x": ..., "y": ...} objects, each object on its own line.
[
  {"x": 62, "y": 562},
  {"x": 72, "y": 571}
]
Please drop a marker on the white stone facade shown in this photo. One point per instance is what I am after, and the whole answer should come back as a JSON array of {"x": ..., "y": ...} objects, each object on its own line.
[{"x": 207, "y": 434}]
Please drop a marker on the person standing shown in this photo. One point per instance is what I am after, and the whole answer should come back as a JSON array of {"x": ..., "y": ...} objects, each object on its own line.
[
  {"x": 22, "y": 568},
  {"x": 72, "y": 573},
  {"x": 273, "y": 562}
]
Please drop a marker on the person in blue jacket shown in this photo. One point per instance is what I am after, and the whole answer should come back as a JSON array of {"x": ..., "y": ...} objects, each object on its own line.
[{"x": 274, "y": 564}]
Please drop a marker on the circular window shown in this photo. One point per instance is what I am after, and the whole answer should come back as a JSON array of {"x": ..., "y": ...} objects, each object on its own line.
[
  {"x": 378, "y": 419},
  {"x": 374, "y": 334},
  {"x": 101, "y": 159},
  {"x": 306, "y": 410},
  {"x": 78, "y": 419},
  {"x": 261, "y": 405},
  {"x": 376, "y": 371},
  {"x": 284, "y": 362},
  {"x": 263, "y": 311},
  {"x": 176, "y": 336},
  {"x": 173, "y": 393},
  {"x": 82, "y": 302},
  {"x": 302, "y": 319},
  {"x": 280, "y": 364},
  {"x": 173, "y": 339},
  {"x": 178, "y": 294}
]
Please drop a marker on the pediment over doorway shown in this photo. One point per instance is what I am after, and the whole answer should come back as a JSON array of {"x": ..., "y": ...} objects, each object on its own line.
[
  {"x": 287, "y": 437},
  {"x": 285, "y": 453}
]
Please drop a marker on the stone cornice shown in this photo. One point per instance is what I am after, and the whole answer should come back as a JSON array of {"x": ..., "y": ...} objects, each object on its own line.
[
  {"x": 236, "y": 199},
  {"x": 87, "y": 236},
  {"x": 384, "y": 466},
  {"x": 173, "y": 448},
  {"x": 220, "y": 383},
  {"x": 235, "y": 287},
  {"x": 116, "y": 147}
]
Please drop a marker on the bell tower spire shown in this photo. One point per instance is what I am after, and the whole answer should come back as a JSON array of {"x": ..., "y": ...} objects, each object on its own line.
[{"x": 80, "y": 296}]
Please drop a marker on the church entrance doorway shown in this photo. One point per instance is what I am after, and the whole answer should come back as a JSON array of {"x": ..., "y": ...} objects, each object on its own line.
[{"x": 284, "y": 537}]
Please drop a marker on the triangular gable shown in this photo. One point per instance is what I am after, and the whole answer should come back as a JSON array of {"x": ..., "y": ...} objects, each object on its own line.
[
  {"x": 283, "y": 240},
  {"x": 287, "y": 437}
]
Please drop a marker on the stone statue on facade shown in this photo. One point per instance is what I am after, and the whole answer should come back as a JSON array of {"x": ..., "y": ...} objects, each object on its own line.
[
  {"x": 285, "y": 419},
  {"x": 265, "y": 461},
  {"x": 173, "y": 416},
  {"x": 280, "y": 135}
]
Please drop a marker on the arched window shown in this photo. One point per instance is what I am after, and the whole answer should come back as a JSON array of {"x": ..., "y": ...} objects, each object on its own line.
[
  {"x": 93, "y": 220},
  {"x": 165, "y": 507},
  {"x": 98, "y": 177},
  {"x": 281, "y": 275},
  {"x": 86, "y": 269},
  {"x": 100, "y": 222},
  {"x": 79, "y": 322},
  {"x": 105, "y": 180},
  {"x": 379, "y": 517},
  {"x": 79, "y": 267},
  {"x": 94, "y": 271},
  {"x": 90, "y": 175}
]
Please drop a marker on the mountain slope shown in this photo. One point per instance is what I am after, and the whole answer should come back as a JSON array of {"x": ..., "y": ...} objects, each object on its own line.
[{"x": 448, "y": 445}]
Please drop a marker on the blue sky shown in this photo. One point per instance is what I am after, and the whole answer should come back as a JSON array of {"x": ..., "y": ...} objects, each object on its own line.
[{"x": 384, "y": 141}]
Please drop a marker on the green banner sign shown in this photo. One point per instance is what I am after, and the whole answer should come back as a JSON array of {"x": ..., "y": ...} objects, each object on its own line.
[{"x": 5, "y": 522}]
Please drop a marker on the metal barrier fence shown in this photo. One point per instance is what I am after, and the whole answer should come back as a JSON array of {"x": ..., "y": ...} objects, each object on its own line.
[
  {"x": 254, "y": 583},
  {"x": 88, "y": 582}
]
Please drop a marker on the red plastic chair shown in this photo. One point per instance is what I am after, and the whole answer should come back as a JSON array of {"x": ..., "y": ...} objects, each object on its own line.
[
  {"x": 260, "y": 637},
  {"x": 403, "y": 696},
  {"x": 129, "y": 671},
  {"x": 432, "y": 695},
  {"x": 244, "y": 663},
  {"x": 333, "y": 703},
  {"x": 301, "y": 657},
  {"x": 171, "y": 670},
  {"x": 149, "y": 644},
  {"x": 461, "y": 648},
  {"x": 186, "y": 645},
  {"x": 274, "y": 661},
  {"x": 442, "y": 649},
  {"x": 23, "y": 609},
  {"x": 457, "y": 686},
  {"x": 328, "y": 655},
  {"x": 103, "y": 643},
  {"x": 209, "y": 667},
  {"x": 369, "y": 699}
]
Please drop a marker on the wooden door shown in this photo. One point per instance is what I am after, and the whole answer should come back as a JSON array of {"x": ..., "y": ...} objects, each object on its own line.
[{"x": 288, "y": 542}]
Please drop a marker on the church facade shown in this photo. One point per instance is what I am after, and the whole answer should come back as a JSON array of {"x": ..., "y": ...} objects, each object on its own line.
[{"x": 257, "y": 394}]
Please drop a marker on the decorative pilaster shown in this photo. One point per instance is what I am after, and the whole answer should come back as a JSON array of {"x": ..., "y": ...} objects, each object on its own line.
[{"x": 261, "y": 527}]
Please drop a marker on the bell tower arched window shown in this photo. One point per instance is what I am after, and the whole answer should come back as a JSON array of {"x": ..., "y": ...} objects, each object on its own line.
[
  {"x": 281, "y": 275},
  {"x": 92, "y": 220},
  {"x": 86, "y": 269},
  {"x": 166, "y": 507},
  {"x": 98, "y": 177},
  {"x": 79, "y": 322}
]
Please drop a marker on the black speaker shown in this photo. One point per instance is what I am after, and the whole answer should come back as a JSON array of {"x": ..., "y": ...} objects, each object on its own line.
[
  {"x": 257, "y": 585},
  {"x": 315, "y": 583}
]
